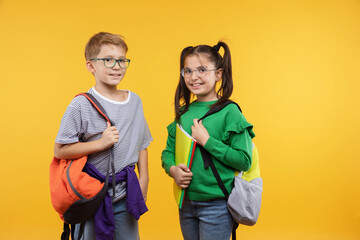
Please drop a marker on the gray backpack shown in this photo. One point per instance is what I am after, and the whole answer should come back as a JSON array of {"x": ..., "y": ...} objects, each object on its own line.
[{"x": 245, "y": 198}]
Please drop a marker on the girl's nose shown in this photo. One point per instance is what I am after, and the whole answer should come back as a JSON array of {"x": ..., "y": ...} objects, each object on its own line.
[{"x": 194, "y": 75}]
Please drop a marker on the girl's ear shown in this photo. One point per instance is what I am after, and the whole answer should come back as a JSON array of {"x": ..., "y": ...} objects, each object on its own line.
[
  {"x": 90, "y": 67},
  {"x": 219, "y": 73}
]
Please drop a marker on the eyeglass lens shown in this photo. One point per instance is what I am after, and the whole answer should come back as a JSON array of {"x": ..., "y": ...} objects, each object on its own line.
[
  {"x": 200, "y": 72},
  {"x": 110, "y": 62}
]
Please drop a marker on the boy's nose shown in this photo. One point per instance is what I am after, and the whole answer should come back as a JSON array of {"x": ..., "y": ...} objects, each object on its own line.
[{"x": 117, "y": 65}]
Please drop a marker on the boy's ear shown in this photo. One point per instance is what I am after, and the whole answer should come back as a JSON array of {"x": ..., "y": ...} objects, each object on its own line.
[
  {"x": 90, "y": 67},
  {"x": 219, "y": 73}
]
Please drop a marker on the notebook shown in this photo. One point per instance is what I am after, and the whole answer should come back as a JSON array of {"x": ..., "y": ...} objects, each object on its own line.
[{"x": 184, "y": 153}]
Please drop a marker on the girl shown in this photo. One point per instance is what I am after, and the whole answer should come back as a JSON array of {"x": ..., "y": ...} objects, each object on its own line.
[{"x": 226, "y": 135}]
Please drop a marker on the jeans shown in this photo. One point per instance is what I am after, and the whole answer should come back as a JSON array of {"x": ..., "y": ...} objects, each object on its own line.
[
  {"x": 209, "y": 220},
  {"x": 126, "y": 226}
]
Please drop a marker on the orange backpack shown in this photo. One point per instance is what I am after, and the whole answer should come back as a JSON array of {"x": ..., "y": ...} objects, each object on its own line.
[{"x": 75, "y": 195}]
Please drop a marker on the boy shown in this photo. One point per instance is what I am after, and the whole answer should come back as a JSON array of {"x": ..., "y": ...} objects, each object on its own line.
[{"x": 83, "y": 131}]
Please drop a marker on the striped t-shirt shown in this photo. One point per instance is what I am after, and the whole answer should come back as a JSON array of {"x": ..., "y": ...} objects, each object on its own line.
[{"x": 82, "y": 122}]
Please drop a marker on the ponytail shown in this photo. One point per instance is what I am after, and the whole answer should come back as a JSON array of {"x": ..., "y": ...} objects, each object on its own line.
[
  {"x": 226, "y": 87},
  {"x": 182, "y": 92}
]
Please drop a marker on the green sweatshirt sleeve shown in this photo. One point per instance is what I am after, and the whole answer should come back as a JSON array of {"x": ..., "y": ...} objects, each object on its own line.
[
  {"x": 168, "y": 155},
  {"x": 235, "y": 147},
  {"x": 239, "y": 159}
]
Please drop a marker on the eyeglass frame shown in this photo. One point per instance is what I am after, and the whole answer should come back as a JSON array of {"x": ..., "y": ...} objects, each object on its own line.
[
  {"x": 116, "y": 61},
  {"x": 196, "y": 71}
]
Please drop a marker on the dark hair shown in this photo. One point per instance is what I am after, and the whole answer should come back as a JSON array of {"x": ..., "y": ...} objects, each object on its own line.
[{"x": 183, "y": 95}]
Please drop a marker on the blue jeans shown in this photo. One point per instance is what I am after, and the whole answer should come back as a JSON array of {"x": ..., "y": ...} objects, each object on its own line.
[
  {"x": 126, "y": 226},
  {"x": 210, "y": 220}
]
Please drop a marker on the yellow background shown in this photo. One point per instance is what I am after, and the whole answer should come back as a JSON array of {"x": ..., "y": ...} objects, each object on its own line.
[{"x": 296, "y": 70}]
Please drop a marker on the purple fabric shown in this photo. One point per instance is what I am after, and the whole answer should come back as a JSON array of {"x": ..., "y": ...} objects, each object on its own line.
[{"x": 104, "y": 216}]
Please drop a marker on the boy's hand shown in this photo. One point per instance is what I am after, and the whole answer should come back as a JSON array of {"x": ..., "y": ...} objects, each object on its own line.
[
  {"x": 181, "y": 174},
  {"x": 143, "y": 170},
  {"x": 144, "y": 188},
  {"x": 199, "y": 132},
  {"x": 109, "y": 137}
]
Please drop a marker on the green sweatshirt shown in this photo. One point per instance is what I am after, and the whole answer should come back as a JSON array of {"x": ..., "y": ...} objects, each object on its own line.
[{"x": 229, "y": 145}]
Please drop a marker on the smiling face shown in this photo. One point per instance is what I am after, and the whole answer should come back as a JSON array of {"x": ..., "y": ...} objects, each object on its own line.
[
  {"x": 107, "y": 77},
  {"x": 202, "y": 87}
]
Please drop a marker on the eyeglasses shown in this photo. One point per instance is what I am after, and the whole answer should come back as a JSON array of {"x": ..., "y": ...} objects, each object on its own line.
[
  {"x": 111, "y": 62},
  {"x": 200, "y": 72}
]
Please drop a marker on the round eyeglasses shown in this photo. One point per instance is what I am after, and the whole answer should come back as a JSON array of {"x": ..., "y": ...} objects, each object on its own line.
[
  {"x": 111, "y": 62},
  {"x": 200, "y": 72}
]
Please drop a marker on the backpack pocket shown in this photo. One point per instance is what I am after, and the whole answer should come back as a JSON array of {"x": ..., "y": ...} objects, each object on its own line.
[{"x": 245, "y": 200}]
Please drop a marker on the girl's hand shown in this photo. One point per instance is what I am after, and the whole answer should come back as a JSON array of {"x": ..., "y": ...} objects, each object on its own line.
[
  {"x": 199, "y": 132},
  {"x": 109, "y": 137},
  {"x": 181, "y": 174}
]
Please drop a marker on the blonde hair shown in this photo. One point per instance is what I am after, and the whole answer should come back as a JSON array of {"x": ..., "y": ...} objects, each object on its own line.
[{"x": 93, "y": 47}]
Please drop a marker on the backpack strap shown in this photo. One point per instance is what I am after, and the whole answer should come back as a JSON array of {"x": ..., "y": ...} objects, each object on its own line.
[
  {"x": 206, "y": 155},
  {"x": 97, "y": 106},
  {"x": 218, "y": 108},
  {"x": 208, "y": 161},
  {"x": 66, "y": 232},
  {"x": 70, "y": 231},
  {"x": 102, "y": 111}
]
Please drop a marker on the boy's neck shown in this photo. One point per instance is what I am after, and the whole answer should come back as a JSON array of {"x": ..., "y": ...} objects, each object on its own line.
[{"x": 111, "y": 92}]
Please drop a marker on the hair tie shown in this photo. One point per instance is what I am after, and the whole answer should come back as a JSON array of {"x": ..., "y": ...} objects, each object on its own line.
[{"x": 216, "y": 47}]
